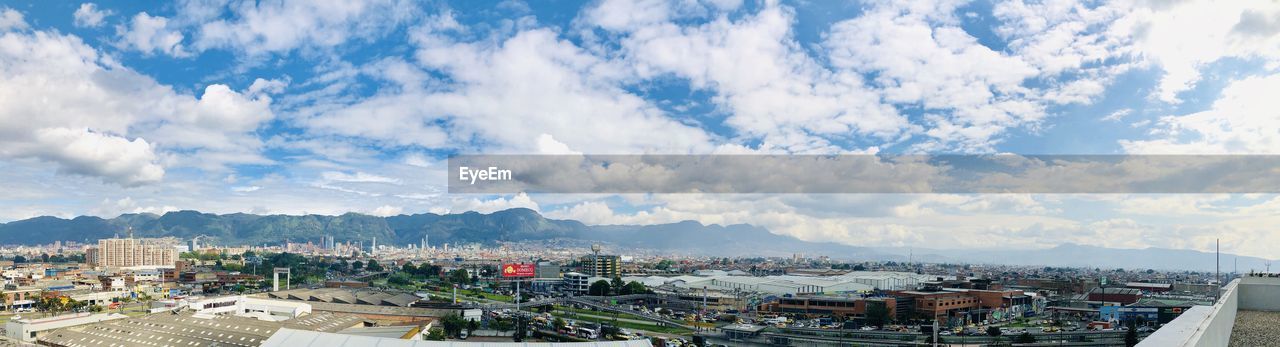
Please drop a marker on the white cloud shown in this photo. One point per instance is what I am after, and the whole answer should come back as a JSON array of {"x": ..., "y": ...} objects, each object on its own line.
[
  {"x": 114, "y": 208},
  {"x": 1183, "y": 37},
  {"x": 920, "y": 56},
  {"x": 116, "y": 124},
  {"x": 493, "y": 205},
  {"x": 150, "y": 35},
  {"x": 387, "y": 211},
  {"x": 358, "y": 177},
  {"x": 1242, "y": 121},
  {"x": 89, "y": 16},
  {"x": 245, "y": 189},
  {"x": 259, "y": 27},
  {"x": 772, "y": 89},
  {"x": 11, "y": 19},
  {"x": 547, "y": 86},
  {"x": 1118, "y": 115},
  {"x": 82, "y": 152}
]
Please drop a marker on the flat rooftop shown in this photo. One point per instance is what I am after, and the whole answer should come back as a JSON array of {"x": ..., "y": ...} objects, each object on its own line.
[{"x": 1255, "y": 328}]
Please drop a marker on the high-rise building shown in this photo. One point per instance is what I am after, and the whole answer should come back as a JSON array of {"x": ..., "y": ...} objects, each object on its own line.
[
  {"x": 609, "y": 266},
  {"x": 128, "y": 252}
]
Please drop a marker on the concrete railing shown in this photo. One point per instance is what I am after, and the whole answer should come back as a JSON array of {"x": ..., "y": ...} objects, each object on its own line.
[
  {"x": 1260, "y": 293},
  {"x": 1202, "y": 326}
]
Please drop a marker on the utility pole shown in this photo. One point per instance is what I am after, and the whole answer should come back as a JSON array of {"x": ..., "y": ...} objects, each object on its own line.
[{"x": 1217, "y": 268}]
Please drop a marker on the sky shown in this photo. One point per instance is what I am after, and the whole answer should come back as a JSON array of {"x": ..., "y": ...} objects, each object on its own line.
[{"x": 328, "y": 107}]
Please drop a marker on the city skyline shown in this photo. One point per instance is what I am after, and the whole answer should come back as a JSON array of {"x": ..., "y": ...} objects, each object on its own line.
[{"x": 354, "y": 107}]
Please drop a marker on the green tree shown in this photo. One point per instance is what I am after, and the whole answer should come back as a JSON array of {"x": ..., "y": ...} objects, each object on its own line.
[
  {"x": 459, "y": 276},
  {"x": 993, "y": 331},
  {"x": 453, "y": 324},
  {"x": 559, "y": 323},
  {"x": 357, "y": 265},
  {"x": 634, "y": 287},
  {"x": 436, "y": 334},
  {"x": 877, "y": 314},
  {"x": 501, "y": 325},
  {"x": 1131, "y": 335},
  {"x": 1025, "y": 337},
  {"x": 616, "y": 285},
  {"x": 374, "y": 266},
  {"x": 472, "y": 325},
  {"x": 599, "y": 288},
  {"x": 19, "y": 259}
]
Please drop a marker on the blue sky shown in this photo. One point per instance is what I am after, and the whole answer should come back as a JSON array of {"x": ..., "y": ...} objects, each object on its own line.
[{"x": 350, "y": 106}]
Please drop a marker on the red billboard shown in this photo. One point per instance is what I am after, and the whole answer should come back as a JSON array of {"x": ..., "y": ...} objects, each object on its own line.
[{"x": 518, "y": 270}]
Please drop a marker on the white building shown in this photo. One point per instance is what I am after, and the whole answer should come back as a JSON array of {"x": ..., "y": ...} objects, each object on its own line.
[
  {"x": 27, "y": 330},
  {"x": 239, "y": 305}
]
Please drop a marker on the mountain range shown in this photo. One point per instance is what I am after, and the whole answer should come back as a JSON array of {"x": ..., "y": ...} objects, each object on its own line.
[{"x": 520, "y": 224}]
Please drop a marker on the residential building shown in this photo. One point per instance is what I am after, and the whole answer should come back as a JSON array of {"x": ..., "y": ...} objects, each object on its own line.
[{"x": 131, "y": 252}]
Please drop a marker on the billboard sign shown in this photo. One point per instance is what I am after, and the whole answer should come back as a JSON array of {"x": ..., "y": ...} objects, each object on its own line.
[{"x": 518, "y": 270}]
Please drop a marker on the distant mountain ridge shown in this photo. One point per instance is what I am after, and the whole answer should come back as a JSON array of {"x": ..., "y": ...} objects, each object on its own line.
[{"x": 527, "y": 225}]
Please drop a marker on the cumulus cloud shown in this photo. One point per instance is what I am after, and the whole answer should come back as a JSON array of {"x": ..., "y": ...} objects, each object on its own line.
[
  {"x": 151, "y": 35},
  {"x": 491, "y": 205},
  {"x": 88, "y": 15},
  {"x": 117, "y": 124},
  {"x": 1183, "y": 37},
  {"x": 260, "y": 27},
  {"x": 548, "y": 86},
  {"x": 11, "y": 19},
  {"x": 1243, "y": 120},
  {"x": 386, "y": 211},
  {"x": 113, "y": 208},
  {"x": 772, "y": 89}
]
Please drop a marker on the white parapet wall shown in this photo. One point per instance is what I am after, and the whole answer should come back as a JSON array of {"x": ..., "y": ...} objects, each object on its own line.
[
  {"x": 1260, "y": 293},
  {"x": 1201, "y": 326}
]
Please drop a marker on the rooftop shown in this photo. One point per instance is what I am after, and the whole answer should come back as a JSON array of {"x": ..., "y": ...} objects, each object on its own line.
[{"x": 1255, "y": 328}]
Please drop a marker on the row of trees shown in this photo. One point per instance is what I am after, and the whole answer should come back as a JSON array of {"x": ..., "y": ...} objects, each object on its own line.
[
  {"x": 617, "y": 287},
  {"x": 46, "y": 258}
]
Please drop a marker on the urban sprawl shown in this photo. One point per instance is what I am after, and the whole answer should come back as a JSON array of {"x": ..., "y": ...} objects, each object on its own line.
[{"x": 127, "y": 291}]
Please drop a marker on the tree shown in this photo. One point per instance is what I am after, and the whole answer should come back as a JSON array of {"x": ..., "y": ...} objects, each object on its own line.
[
  {"x": 19, "y": 259},
  {"x": 453, "y": 324},
  {"x": 1025, "y": 337},
  {"x": 436, "y": 334},
  {"x": 357, "y": 265},
  {"x": 472, "y": 325},
  {"x": 634, "y": 287},
  {"x": 615, "y": 285},
  {"x": 877, "y": 314},
  {"x": 1131, "y": 336},
  {"x": 599, "y": 288},
  {"x": 44, "y": 257},
  {"x": 501, "y": 325},
  {"x": 459, "y": 276},
  {"x": 399, "y": 279},
  {"x": 559, "y": 323},
  {"x": 993, "y": 331},
  {"x": 373, "y": 266}
]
